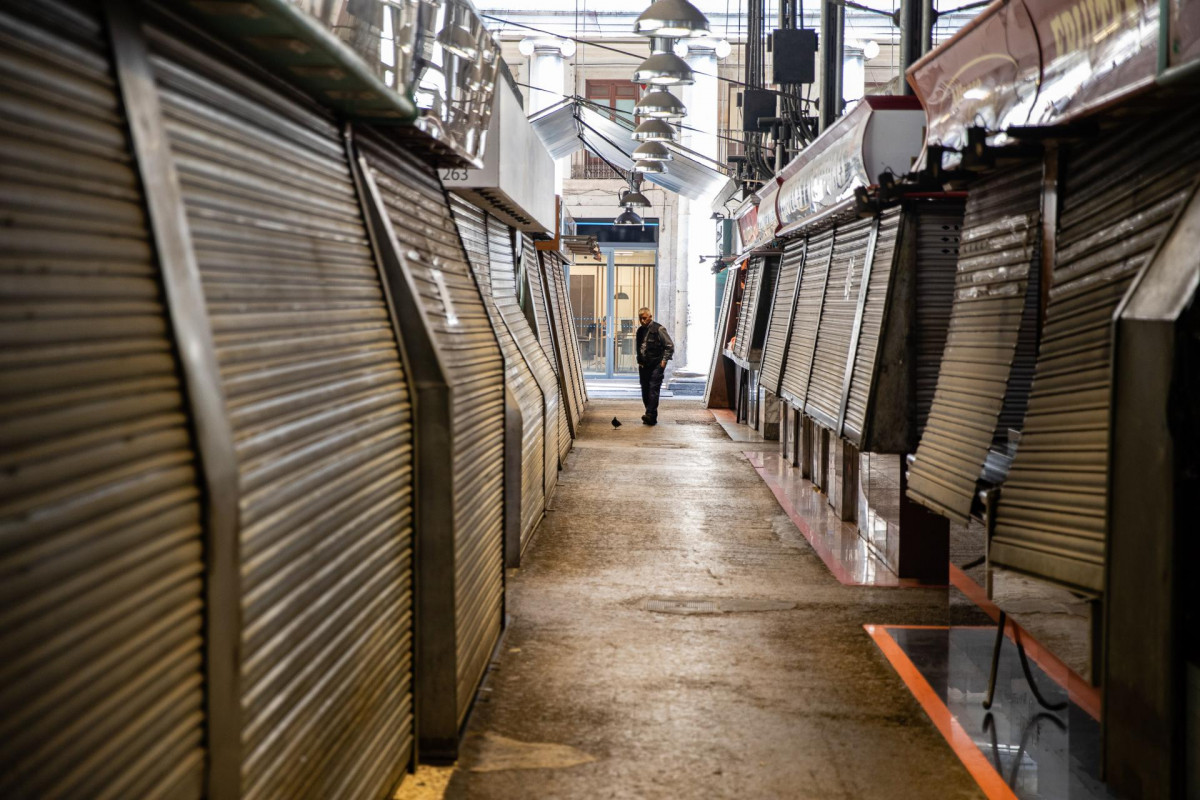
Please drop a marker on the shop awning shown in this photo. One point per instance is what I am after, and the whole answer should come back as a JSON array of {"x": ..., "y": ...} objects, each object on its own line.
[{"x": 572, "y": 125}]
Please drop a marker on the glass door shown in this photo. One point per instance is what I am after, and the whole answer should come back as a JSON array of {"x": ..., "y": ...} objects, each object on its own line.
[
  {"x": 588, "y": 284},
  {"x": 634, "y": 284},
  {"x": 605, "y": 298}
]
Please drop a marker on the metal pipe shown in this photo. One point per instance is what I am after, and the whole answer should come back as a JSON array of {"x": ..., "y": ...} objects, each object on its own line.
[
  {"x": 928, "y": 20},
  {"x": 910, "y": 39},
  {"x": 832, "y": 25}
]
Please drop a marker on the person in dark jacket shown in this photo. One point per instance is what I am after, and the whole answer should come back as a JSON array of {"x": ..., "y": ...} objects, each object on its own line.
[{"x": 654, "y": 350}]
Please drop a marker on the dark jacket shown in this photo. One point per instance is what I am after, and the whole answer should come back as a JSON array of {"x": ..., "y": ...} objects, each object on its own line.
[{"x": 654, "y": 344}]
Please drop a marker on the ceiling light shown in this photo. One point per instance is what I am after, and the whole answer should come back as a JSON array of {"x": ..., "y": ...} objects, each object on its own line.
[
  {"x": 650, "y": 166},
  {"x": 628, "y": 217},
  {"x": 654, "y": 130},
  {"x": 459, "y": 41},
  {"x": 632, "y": 197},
  {"x": 673, "y": 18},
  {"x": 660, "y": 105},
  {"x": 664, "y": 69},
  {"x": 651, "y": 151}
]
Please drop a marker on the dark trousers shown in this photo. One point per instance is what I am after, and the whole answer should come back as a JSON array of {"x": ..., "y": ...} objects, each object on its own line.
[{"x": 651, "y": 378}]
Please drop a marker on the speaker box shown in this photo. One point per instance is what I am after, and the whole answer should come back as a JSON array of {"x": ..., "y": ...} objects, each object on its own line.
[
  {"x": 757, "y": 103},
  {"x": 795, "y": 52}
]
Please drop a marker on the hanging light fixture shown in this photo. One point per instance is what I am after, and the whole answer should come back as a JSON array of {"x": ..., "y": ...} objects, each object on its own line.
[
  {"x": 655, "y": 167},
  {"x": 674, "y": 18},
  {"x": 664, "y": 69},
  {"x": 628, "y": 217},
  {"x": 660, "y": 105},
  {"x": 633, "y": 199},
  {"x": 654, "y": 130},
  {"x": 651, "y": 151},
  {"x": 456, "y": 39}
]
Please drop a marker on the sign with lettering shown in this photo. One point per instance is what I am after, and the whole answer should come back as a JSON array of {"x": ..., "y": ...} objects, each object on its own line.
[{"x": 986, "y": 76}]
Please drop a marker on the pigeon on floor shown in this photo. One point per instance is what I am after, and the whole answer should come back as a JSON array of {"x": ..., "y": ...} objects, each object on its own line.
[{"x": 616, "y": 422}]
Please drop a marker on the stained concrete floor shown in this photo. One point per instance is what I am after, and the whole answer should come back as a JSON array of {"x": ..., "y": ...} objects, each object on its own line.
[{"x": 593, "y": 696}]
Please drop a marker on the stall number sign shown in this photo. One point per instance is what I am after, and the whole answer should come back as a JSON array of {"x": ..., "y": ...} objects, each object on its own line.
[{"x": 455, "y": 174}]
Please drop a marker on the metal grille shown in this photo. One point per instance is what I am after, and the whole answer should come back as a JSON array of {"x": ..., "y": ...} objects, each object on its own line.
[
  {"x": 472, "y": 227},
  {"x": 322, "y": 422},
  {"x": 851, "y": 244},
  {"x": 504, "y": 288},
  {"x": 745, "y": 323},
  {"x": 939, "y": 229},
  {"x": 420, "y": 214},
  {"x": 874, "y": 305},
  {"x": 537, "y": 297},
  {"x": 779, "y": 327},
  {"x": 811, "y": 294},
  {"x": 101, "y": 571},
  {"x": 1118, "y": 196},
  {"x": 999, "y": 248}
]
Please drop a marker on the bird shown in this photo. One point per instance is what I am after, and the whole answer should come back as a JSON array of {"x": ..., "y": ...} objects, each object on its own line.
[{"x": 616, "y": 422}]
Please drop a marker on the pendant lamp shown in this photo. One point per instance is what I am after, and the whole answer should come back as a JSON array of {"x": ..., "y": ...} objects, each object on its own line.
[
  {"x": 660, "y": 105},
  {"x": 674, "y": 18}
]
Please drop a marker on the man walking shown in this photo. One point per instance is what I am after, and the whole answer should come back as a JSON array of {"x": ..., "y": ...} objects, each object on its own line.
[{"x": 654, "y": 350}]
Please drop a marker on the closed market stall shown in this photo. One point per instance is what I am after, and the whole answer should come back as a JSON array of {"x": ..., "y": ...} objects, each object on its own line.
[
  {"x": 473, "y": 228},
  {"x": 532, "y": 282}
]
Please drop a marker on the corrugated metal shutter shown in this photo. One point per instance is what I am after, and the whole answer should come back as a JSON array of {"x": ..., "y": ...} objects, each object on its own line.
[
  {"x": 322, "y": 422},
  {"x": 811, "y": 295},
  {"x": 779, "y": 329},
  {"x": 101, "y": 545},
  {"x": 939, "y": 229},
  {"x": 998, "y": 253},
  {"x": 472, "y": 227},
  {"x": 531, "y": 266},
  {"x": 1118, "y": 196},
  {"x": 504, "y": 288},
  {"x": 567, "y": 342},
  {"x": 420, "y": 214},
  {"x": 851, "y": 242},
  {"x": 745, "y": 323},
  {"x": 723, "y": 324},
  {"x": 874, "y": 305}
]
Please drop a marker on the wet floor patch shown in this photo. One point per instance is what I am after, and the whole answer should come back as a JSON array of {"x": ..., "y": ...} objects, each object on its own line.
[
  {"x": 712, "y": 605},
  {"x": 498, "y": 753}
]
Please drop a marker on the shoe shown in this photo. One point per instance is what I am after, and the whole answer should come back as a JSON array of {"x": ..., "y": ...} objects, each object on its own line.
[
  {"x": 646, "y": 419},
  {"x": 651, "y": 421}
]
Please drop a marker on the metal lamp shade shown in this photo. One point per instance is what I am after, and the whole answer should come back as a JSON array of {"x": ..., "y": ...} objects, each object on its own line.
[
  {"x": 633, "y": 199},
  {"x": 660, "y": 105},
  {"x": 459, "y": 41},
  {"x": 674, "y": 18},
  {"x": 654, "y": 130},
  {"x": 664, "y": 69},
  {"x": 628, "y": 217},
  {"x": 651, "y": 151},
  {"x": 650, "y": 166}
]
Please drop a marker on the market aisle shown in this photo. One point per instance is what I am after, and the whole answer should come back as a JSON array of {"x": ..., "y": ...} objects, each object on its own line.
[{"x": 606, "y": 697}]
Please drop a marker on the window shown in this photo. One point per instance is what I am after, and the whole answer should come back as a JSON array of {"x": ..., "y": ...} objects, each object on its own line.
[{"x": 618, "y": 95}]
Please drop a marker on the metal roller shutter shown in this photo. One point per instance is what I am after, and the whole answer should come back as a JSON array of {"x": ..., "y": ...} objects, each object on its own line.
[
  {"x": 745, "y": 323},
  {"x": 472, "y": 227},
  {"x": 998, "y": 256},
  {"x": 420, "y": 215},
  {"x": 504, "y": 288},
  {"x": 101, "y": 563},
  {"x": 852, "y": 243},
  {"x": 322, "y": 422},
  {"x": 779, "y": 328},
  {"x": 723, "y": 325},
  {"x": 1118, "y": 196},
  {"x": 531, "y": 267},
  {"x": 869, "y": 315},
  {"x": 939, "y": 229},
  {"x": 810, "y": 297},
  {"x": 560, "y": 309}
]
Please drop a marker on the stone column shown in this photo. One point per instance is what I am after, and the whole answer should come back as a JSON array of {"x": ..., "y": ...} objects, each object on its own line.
[
  {"x": 700, "y": 297},
  {"x": 547, "y": 75}
]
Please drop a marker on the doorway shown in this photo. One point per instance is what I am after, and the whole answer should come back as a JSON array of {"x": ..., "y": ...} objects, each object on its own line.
[{"x": 606, "y": 296}]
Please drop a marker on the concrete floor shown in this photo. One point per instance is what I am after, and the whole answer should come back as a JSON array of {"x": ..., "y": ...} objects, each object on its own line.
[{"x": 594, "y": 695}]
